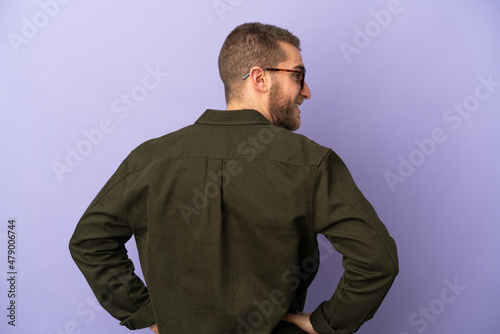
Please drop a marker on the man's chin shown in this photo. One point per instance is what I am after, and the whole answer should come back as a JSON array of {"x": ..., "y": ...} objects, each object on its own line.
[
  {"x": 294, "y": 125},
  {"x": 297, "y": 121},
  {"x": 288, "y": 118}
]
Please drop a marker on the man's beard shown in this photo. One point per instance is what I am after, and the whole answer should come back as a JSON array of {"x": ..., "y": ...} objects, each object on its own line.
[{"x": 283, "y": 111}]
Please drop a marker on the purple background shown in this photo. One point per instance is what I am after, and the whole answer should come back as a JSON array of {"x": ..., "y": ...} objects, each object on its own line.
[{"x": 65, "y": 65}]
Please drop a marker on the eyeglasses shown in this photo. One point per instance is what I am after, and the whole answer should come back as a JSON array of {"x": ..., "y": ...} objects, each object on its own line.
[{"x": 301, "y": 78}]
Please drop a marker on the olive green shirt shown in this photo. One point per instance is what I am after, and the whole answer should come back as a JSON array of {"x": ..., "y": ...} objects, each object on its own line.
[{"x": 225, "y": 214}]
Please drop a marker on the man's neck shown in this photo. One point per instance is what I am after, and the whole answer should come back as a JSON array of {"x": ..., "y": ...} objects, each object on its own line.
[{"x": 238, "y": 106}]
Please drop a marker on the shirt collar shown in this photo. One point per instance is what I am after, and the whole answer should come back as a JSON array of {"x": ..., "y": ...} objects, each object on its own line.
[{"x": 232, "y": 117}]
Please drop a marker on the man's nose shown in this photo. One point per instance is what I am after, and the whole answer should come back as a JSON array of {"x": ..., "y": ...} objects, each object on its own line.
[{"x": 305, "y": 92}]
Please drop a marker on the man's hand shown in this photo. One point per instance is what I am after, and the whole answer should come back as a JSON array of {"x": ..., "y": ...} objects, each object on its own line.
[
  {"x": 300, "y": 320},
  {"x": 154, "y": 329}
]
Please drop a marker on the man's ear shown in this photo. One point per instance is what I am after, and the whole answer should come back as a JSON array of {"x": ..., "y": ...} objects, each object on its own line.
[{"x": 258, "y": 78}]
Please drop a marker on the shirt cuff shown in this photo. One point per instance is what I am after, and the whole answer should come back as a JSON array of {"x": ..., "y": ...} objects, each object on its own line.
[
  {"x": 143, "y": 318},
  {"x": 320, "y": 323}
]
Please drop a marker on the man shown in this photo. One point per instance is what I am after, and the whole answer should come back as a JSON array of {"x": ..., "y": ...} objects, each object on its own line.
[{"x": 226, "y": 212}]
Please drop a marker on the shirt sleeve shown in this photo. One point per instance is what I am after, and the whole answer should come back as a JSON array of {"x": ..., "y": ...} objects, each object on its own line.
[
  {"x": 98, "y": 248},
  {"x": 369, "y": 254}
]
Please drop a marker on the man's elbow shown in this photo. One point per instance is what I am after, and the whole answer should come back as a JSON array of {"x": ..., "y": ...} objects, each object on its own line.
[
  {"x": 388, "y": 266},
  {"x": 391, "y": 270},
  {"x": 382, "y": 264}
]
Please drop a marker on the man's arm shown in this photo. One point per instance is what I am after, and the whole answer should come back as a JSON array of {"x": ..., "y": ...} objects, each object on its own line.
[
  {"x": 98, "y": 248},
  {"x": 370, "y": 260}
]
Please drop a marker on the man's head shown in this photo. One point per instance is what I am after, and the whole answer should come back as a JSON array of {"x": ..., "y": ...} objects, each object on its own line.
[{"x": 248, "y": 64}]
